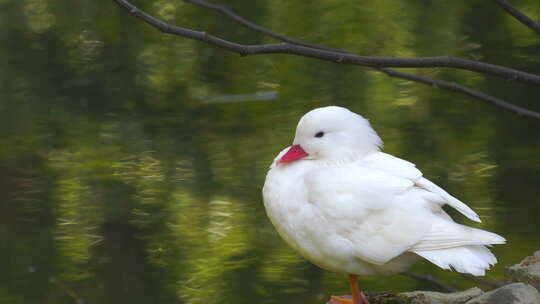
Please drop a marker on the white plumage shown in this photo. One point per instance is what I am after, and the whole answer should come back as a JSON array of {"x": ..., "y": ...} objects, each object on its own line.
[{"x": 348, "y": 207}]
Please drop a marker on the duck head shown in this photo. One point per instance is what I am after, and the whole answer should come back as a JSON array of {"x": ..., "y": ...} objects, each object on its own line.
[{"x": 332, "y": 134}]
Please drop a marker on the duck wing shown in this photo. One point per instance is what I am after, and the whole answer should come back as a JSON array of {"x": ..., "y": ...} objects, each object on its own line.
[
  {"x": 375, "y": 214},
  {"x": 405, "y": 169}
]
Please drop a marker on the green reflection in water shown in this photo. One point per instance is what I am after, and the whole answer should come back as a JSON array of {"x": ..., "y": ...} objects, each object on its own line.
[{"x": 124, "y": 182}]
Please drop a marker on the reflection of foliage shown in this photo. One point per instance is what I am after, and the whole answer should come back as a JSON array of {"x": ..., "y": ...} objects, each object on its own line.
[
  {"x": 150, "y": 211},
  {"x": 7, "y": 298},
  {"x": 284, "y": 267},
  {"x": 38, "y": 15},
  {"x": 78, "y": 215},
  {"x": 119, "y": 184},
  {"x": 219, "y": 249}
]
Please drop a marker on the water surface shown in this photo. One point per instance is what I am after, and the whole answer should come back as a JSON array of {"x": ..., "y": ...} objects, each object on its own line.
[{"x": 132, "y": 161}]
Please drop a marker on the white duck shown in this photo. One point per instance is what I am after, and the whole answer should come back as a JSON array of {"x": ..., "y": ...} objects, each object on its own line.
[{"x": 350, "y": 208}]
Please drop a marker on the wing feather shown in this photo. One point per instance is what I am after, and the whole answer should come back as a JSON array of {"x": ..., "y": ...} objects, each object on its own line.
[
  {"x": 399, "y": 167},
  {"x": 448, "y": 199}
]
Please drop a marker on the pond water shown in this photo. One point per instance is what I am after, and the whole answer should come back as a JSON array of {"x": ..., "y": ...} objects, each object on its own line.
[{"x": 132, "y": 162}]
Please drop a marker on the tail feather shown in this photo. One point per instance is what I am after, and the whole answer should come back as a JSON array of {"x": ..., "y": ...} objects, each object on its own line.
[
  {"x": 473, "y": 259},
  {"x": 447, "y": 234}
]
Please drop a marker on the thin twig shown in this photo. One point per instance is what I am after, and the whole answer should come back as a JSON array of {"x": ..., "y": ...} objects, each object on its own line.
[
  {"x": 431, "y": 279},
  {"x": 376, "y": 62},
  {"x": 533, "y": 25},
  {"x": 464, "y": 90},
  {"x": 229, "y": 13}
]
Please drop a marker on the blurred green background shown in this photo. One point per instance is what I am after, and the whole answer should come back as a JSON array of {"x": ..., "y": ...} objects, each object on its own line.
[{"x": 132, "y": 162}]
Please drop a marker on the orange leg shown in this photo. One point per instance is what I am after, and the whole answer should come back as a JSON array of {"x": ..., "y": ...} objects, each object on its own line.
[{"x": 357, "y": 296}]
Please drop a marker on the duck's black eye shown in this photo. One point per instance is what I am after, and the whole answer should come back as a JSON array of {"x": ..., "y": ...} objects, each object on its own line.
[{"x": 319, "y": 134}]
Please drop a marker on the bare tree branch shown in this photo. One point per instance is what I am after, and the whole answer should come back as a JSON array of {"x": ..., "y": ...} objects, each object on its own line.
[
  {"x": 533, "y": 25},
  {"x": 390, "y": 72},
  {"x": 464, "y": 90},
  {"x": 375, "y": 62},
  {"x": 229, "y": 13},
  {"x": 238, "y": 48},
  {"x": 431, "y": 279}
]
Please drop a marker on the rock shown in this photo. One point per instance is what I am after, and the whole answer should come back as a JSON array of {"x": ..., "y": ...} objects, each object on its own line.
[
  {"x": 377, "y": 298},
  {"x": 386, "y": 298},
  {"x": 432, "y": 297},
  {"x": 515, "y": 293},
  {"x": 527, "y": 271}
]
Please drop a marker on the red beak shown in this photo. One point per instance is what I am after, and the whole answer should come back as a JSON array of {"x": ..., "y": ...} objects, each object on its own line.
[{"x": 294, "y": 153}]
